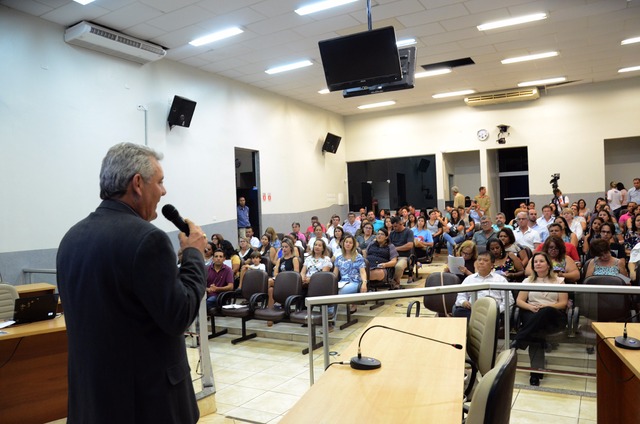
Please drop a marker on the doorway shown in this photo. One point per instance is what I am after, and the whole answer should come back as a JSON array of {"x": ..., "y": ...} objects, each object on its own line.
[
  {"x": 513, "y": 174},
  {"x": 247, "y": 183}
]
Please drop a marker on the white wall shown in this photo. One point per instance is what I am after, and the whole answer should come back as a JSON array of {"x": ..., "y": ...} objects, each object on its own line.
[
  {"x": 564, "y": 131},
  {"x": 62, "y": 107}
]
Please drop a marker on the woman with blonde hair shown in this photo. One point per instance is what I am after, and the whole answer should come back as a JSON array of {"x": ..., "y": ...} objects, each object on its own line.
[{"x": 274, "y": 240}]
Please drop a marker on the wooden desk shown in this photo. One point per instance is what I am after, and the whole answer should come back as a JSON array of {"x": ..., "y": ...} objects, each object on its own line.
[
  {"x": 618, "y": 375},
  {"x": 35, "y": 289},
  {"x": 419, "y": 381},
  {"x": 33, "y": 378}
]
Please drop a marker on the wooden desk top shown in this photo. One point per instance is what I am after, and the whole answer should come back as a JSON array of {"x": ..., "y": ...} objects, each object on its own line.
[
  {"x": 34, "y": 328},
  {"x": 35, "y": 287},
  {"x": 631, "y": 358},
  {"x": 419, "y": 381}
]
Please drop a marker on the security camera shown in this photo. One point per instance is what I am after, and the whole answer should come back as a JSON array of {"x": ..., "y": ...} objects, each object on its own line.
[
  {"x": 503, "y": 128},
  {"x": 502, "y": 140}
]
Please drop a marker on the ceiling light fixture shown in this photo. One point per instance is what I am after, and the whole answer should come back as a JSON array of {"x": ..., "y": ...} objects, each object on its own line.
[
  {"x": 381, "y": 104},
  {"x": 630, "y": 69},
  {"x": 453, "y": 94},
  {"x": 324, "y": 91},
  {"x": 433, "y": 73},
  {"x": 542, "y": 82},
  {"x": 513, "y": 21},
  {"x": 529, "y": 57},
  {"x": 216, "y": 36},
  {"x": 321, "y": 5},
  {"x": 406, "y": 42},
  {"x": 289, "y": 67},
  {"x": 84, "y": 2},
  {"x": 630, "y": 41}
]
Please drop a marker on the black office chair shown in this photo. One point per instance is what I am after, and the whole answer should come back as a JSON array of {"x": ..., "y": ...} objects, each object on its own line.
[
  {"x": 441, "y": 304},
  {"x": 254, "y": 289},
  {"x": 287, "y": 283},
  {"x": 321, "y": 284}
]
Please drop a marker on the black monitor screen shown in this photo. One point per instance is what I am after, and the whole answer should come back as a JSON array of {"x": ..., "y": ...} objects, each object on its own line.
[{"x": 361, "y": 59}]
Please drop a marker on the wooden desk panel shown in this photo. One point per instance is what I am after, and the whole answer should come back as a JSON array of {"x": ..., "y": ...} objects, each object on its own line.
[
  {"x": 618, "y": 375},
  {"x": 419, "y": 381},
  {"x": 35, "y": 289},
  {"x": 33, "y": 379}
]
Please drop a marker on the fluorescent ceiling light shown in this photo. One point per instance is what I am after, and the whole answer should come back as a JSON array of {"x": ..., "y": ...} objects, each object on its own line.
[
  {"x": 406, "y": 42},
  {"x": 289, "y": 67},
  {"x": 324, "y": 91},
  {"x": 453, "y": 94},
  {"x": 321, "y": 5},
  {"x": 630, "y": 41},
  {"x": 433, "y": 73},
  {"x": 512, "y": 21},
  {"x": 216, "y": 36},
  {"x": 84, "y": 2},
  {"x": 530, "y": 57},
  {"x": 381, "y": 104},
  {"x": 631, "y": 69},
  {"x": 542, "y": 82}
]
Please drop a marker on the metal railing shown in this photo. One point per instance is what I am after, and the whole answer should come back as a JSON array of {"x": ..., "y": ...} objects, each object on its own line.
[
  {"x": 325, "y": 301},
  {"x": 28, "y": 272}
]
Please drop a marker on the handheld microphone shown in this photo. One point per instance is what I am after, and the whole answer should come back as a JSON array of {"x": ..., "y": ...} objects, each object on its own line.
[
  {"x": 172, "y": 214},
  {"x": 625, "y": 342},
  {"x": 367, "y": 363}
]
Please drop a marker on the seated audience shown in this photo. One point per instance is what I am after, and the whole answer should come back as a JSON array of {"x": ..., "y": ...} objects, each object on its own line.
[
  {"x": 350, "y": 269},
  {"x": 411, "y": 222},
  {"x": 367, "y": 237},
  {"x": 484, "y": 273},
  {"x": 317, "y": 235},
  {"x": 318, "y": 260},
  {"x": 253, "y": 241},
  {"x": 563, "y": 265},
  {"x": 435, "y": 227},
  {"x": 219, "y": 278},
  {"x": 295, "y": 228},
  {"x": 567, "y": 235},
  {"x": 244, "y": 249},
  {"x": 603, "y": 262},
  {"x": 381, "y": 255},
  {"x": 208, "y": 253},
  {"x": 486, "y": 232},
  {"x": 314, "y": 221},
  {"x": 533, "y": 224},
  {"x": 288, "y": 262},
  {"x": 273, "y": 237},
  {"x": 540, "y": 313},
  {"x": 547, "y": 217},
  {"x": 507, "y": 264},
  {"x": 216, "y": 239},
  {"x": 555, "y": 230},
  {"x": 254, "y": 263},
  {"x": 388, "y": 225},
  {"x": 455, "y": 233},
  {"x": 351, "y": 226},
  {"x": 266, "y": 249},
  {"x": 402, "y": 239},
  {"x": 583, "y": 210},
  {"x": 525, "y": 236},
  {"x": 606, "y": 233},
  {"x": 335, "y": 244},
  {"x": 377, "y": 223},
  {"x": 469, "y": 252},
  {"x": 624, "y": 221},
  {"x": 232, "y": 259},
  {"x": 574, "y": 225},
  {"x": 422, "y": 239},
  {"x": 331, "y": 226},
  {"x": 632, "y": 237},
  {"x": 592, "y": 234},
  {"x": 501, "y": 222}
]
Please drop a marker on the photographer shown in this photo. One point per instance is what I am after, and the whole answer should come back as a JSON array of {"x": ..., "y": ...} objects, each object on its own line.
[{"x": 559, "y": 200}]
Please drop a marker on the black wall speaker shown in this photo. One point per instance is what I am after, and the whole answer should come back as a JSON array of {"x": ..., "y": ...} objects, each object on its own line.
[
  {"x": 331, "y": 143},
  {"x": 424, "y": 165},
  {"x": 181, "y": 112}
]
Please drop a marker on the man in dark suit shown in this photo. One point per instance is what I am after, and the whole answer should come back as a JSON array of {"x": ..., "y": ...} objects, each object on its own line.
[{"x": 126, "y": 303}]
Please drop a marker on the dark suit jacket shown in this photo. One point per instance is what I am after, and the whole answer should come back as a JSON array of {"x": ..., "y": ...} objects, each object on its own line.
[{"x": 127, "y": 305}]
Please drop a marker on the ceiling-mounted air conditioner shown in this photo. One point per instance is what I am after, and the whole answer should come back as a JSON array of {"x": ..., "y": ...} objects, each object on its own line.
[
  {"x": 498, "y": 97},
  {"x": 105, "y": 40}
]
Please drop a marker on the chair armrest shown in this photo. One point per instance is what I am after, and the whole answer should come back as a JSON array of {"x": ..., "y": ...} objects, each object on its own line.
[
  {"x": 410, "y": 307},
  {"x": 472, "y": 378},
  {"x": 225, "y": 298},
  {"x": 258, "y": 300},
  {"x": 296, "y": 300}
]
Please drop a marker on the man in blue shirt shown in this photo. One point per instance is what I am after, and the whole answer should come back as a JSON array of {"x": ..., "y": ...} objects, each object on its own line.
[
  {"x": 243, "y": 217},
  {"x": 377, "y": 223}
]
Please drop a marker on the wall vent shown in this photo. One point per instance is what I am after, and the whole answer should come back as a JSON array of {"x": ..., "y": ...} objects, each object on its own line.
[{"x": 498, "y": 97}]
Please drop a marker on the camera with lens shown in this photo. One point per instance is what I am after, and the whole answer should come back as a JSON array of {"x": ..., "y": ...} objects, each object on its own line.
[{"x": 554, "y": 181}]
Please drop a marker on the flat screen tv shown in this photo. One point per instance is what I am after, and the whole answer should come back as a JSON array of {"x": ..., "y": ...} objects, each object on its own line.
[
  {"x": 361, "y": 60},
  {"x": 181, "y": 112},
  {"x": 331, "y": 143}
]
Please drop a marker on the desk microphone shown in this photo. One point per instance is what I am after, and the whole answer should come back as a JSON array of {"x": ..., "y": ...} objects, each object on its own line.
[
  {"x": 172, "y": 214},
  {"x": 625, "y": 342},
  {"x": 366, "y": 363}
]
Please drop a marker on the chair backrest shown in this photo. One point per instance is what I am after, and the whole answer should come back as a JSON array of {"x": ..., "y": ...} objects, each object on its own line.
[
  {"x": 441, "y": 303},
  {"x": 266, "y": 260},
  {"x": 482, "y": 333},
  {"x": 255, "y": 281},
  {"x": 491, "y": 403},
  {"x": 322, "y": 284},
  {"x": 606, "y": 307},
  {"x": 8, "y": 296},
  {"x": 287, "y": 283}
]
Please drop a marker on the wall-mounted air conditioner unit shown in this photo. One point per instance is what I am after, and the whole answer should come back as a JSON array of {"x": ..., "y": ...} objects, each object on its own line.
[
  {"x": 94, "y": 37},
  {"x": 498, "y": 97}
]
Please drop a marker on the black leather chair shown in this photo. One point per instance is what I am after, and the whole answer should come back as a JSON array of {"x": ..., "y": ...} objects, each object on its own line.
[
  {"x": 441, "y": 304},
  {"x": 320, "y": 284},
  {"x": 287, "y": 283},
  {"x": 254, "y": 289}
]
